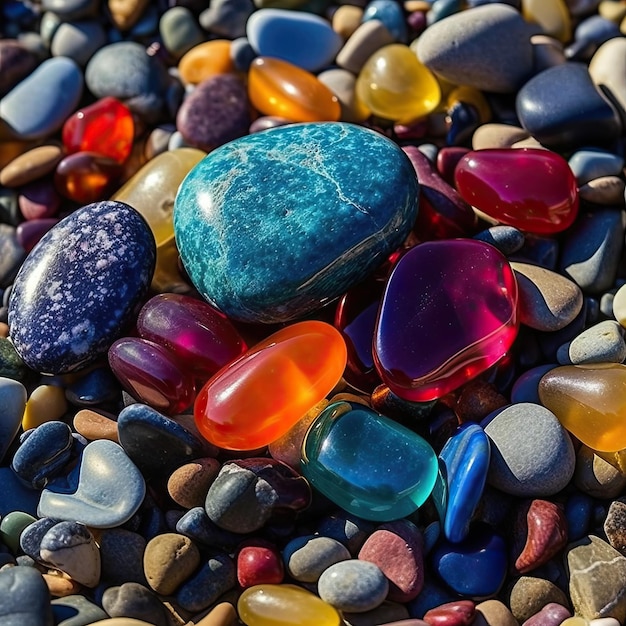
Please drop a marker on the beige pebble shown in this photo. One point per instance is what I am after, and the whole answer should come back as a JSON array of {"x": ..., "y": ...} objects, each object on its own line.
[
  {"x": 619, "y": 305},
  {"x": 189, "y": 484},
  {"x": 126, "y": 13},
  {"x": 611, "y": 10},
  {"x": 493, "y": 613},
  {"x": 342, "y": 82},
  {"x": 575, "y": 621},
  {"x": 608, "y": 68},
  {"x": 46, "y": 404},
  {"x": 93, "y": 425},
  {"x": 494, "y": 135},
  {"x": 31, "y": 165},
  {"x": 603, "y": 190},
  {"x": 529, "y": 142},
  {"x": 60, "y": 585},
  {"x": 366, "y": 39},
  {"x": 346, "y": 19},
  {"x": 223, "y": 614},
  {"x": 410, "y": 6},
  {"x": 604, "y": 621},
  {"x": 168, "y": 561},
  {"x": 597, "y": 477}
]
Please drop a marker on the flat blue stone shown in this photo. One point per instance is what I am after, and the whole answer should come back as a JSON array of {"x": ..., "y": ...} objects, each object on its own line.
[
  {"x": 463, "y": 468},
  {"x": 276, "y": 224},
  {"x": 78, "y": 288}
]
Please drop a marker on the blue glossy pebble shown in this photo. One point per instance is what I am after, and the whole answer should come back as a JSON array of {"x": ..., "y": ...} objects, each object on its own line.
[
  {"x": 476, "y": 567},
  {"x": 15, "y": 495},
  {"x": 274, "y": 225},
  {"x": 78, "y": 288},
  {"x": 463, "y": 467},
  {"x": 587, "y": 164},
  {"x": 391, "y": 14},
  {"x": 304, "y": 39},
  {"x": 368, "y": 464}
]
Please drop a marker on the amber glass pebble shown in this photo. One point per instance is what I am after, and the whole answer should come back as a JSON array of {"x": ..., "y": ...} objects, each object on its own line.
[
  {"x": 205, "y": 60},
  {"x": 86, "y": 176},
  {"x": 282, "y": 89},
  {"x": 258, "y": 397}
]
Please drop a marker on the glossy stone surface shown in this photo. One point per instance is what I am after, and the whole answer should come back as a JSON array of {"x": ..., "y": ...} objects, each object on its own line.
[
  {"x": 105, "y": 127},
  {"x": 463, "y": 467},
  {"x": 13, "y": 400},
  {"x": 586, "y": 401},
  {"x": 395, "y": 85},
  {"x": 71, "y": 298},
  {"x": 337, "y": 217},
  {"x": 104, "y": 490},
  {"x": 200, "y": 336},
  {"x": 258, "y": 397},
  {"x": 205, "y": 60},
  {"x": 151, "y": 374},
  {"x": 460, "y": 290},
  {"x": 382, "y": 487},
  {"x": 496, "y": 182},
  {"x": 282, "y": 89},
  {"x": 266, "y": 605}
]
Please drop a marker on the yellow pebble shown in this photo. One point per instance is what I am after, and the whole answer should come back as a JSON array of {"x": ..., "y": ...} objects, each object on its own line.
[
  {"x": 575, "y": 621},
  {"x": 552, "y": 15},
  {"x": 346, "y": 19},
  {"x": 46, "y": 404},
  {"x": 205, "y": 60},
  {"x": 611, "y": 10}
]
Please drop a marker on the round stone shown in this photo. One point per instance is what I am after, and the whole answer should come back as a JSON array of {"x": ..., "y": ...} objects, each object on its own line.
[
  {"x": 169, "y": 560},
  {"x": 307, "y": 557}
]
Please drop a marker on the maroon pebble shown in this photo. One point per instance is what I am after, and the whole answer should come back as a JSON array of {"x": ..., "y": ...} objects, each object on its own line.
[
  {"x": 459, "y": 613},
  {"x": 551, "y": 615},
  {"x": 259, "y": 563}
]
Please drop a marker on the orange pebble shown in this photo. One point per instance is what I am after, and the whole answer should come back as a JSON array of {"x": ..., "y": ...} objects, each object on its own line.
[
  {"x": 279, "y": 88},
  {"x": 205, "y": 60}
]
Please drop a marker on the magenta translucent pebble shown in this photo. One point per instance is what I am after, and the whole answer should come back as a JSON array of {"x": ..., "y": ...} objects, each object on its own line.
[
  {"x": 448, "y": 313},
  {"x": 201, "y": 337}
]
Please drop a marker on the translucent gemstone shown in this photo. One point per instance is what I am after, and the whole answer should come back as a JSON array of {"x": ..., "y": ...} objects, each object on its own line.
[
  {"x": 151, "y": 374},
  {"x": 590, "y": 402},
  {"x": 529, "y": 188},
  {"x": 287, "y": 605},
  {"x": 282, "y": 89},
  {"x": 394, "y": 84},
  {"x": 86, "y": 177},
  {"x": 200, "y": 336},
  {"x": 449, "y": 312},
  {"x": 368, "y": 464},
  {"x": 258, "y": 397},
  {"x": 205, "y": 60},
  {"x": 105, "y": 127}
]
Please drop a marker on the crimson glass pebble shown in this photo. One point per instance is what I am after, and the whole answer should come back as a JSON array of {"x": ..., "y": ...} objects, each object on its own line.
[
  {"x": 106, "y": 127},
  {"x": 449, "y": 312},
  {"x": 86, "y": 177},
  {"x": 529, "y": 188},
  {"x": 201, "y": 337}
]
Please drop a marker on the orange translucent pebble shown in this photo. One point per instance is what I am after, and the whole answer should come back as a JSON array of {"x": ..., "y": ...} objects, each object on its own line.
[
  {"x": 259, "y": 396},
  {"x": 280, "y": 88},
  {"x": 285, "y": 605},
  {"x": 590, "y": 402},
  {"x": 205, "y": 60}
]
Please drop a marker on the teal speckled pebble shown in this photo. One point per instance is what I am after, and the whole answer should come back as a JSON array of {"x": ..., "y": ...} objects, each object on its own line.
[{"x": 274, "y": 225}]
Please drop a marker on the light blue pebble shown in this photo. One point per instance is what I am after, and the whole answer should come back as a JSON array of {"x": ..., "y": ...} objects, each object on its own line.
[
  {"x": 590, "y": 163},
  {"x": 390, "y": 13}
]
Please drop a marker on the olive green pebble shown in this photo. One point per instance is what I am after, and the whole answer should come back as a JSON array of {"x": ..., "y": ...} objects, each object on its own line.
[{"x": 11, "y": 528}]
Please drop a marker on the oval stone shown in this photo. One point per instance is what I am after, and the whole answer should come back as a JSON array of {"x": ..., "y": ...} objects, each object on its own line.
[
  {"x": 79, "y": 287},
  {"x": 274, "y": 225}
]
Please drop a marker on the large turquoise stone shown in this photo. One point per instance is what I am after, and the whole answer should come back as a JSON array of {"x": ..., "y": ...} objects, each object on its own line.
[{"x": 276, "y": 224}]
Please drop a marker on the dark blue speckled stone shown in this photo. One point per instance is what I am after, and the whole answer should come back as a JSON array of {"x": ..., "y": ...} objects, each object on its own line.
[
  {"x": 79, "y": 286},
  {"x": 274, "y": 225}
]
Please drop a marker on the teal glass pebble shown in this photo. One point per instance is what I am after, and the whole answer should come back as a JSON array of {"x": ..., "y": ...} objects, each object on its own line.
[
  {"x": 275, "y": 225},
  {"x": 368, "y": 464}
]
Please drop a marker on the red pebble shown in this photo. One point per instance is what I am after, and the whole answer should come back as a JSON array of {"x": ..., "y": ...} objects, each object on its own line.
[
  {"x": 529, "y": 188},
  {"x": 397, "y": 549},
  {"x": 540, "y": 527},
  {"x": 259, "y": 563},
  {"x": 106, "y": 127},
  {"x": 447, "y": 160},
  {"x": 458, "y": 613},
  {"x": 86, "y": 177}
]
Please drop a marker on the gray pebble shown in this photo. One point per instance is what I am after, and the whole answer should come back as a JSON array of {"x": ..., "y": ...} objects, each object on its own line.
[
  {"x": 242, "y": 54},
  {"x": 348, "y": 529},
  {"x": 590, "y": 163},
  {"x": 606, "y": 303},
  {"x": 78, "y": 40},
  {"x": 76, "y": 611},
  {"x": 71, "y": 9},
  {"x": 136, "y": 601},
  {"x": 179, "y": 31},
  {"x": 531, "y": 453},
  {"x": 24, "y": 598},
  {"x": 507, "y": 239},
  {"x": 227, "y": 18},
  {"x": 121, "y": 553},
  {"x": 354, "y": 586},
  {"x": 602, "y": 343},
  {"x": 307, "y": 557},
  {"x": 48, "y": 25}
]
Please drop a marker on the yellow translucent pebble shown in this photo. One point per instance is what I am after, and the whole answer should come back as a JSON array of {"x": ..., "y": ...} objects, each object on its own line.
[
  {"x": 552, "y": 15},
  {"x": 46, "y": 404},
  {"x": 282, "y": 89},
  {"x": 395, "y": 85},
  {"x": 590, "y": 402},
  {"x": 205, "y": 60},
  {"x": 284, "y": 605}
]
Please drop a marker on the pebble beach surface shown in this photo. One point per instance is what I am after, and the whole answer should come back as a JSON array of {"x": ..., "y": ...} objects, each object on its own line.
[{"x": 312, "y": 313}]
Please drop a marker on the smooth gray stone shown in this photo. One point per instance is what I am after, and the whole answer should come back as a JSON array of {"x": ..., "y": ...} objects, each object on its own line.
[
  {"x": 40, "y": 104},
  {"x": 78, "y": 40},
  {"x": 587, "y": 164},
  {"x": 71, "y": 9},
  {"x": 227, "y": 18},
  {"x": 76, "y": 611},
  {"x": 601, "y": 343},
  {"x": 179, "y": 31},
  {"x": 487, "y": 47},
  {"x": 592, "y": 248},
  {"x": 307, "y": 557},
  {"x": 215, "y": 578},
  {"x": 24, "y": 598},
  {"x": 507, "y": 239},
  {"x": 136, "y": 601},
  {"x": 531, "y": 453}
]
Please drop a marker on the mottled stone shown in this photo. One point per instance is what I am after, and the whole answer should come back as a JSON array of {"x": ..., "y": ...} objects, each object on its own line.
[
  {"x": 615, "y": 525},
  {"x": 530, "y": 595},
  {"x": 597, "y": 477},
  {"x": 169, "y": 560},
  {"x": 189, "y": 484},
  {"x": 552, "y": 614},
  {"x": 601, "y": 343}
]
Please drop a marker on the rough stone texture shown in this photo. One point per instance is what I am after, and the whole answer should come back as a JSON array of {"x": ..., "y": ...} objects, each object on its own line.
[
  {"x": 169, "y": 560},
  {"x": 601, "y": 343},
  {"x": 615, "y": 525},
  {"x": 597, "y": 477},
  {"x": 530, "y": 595}
]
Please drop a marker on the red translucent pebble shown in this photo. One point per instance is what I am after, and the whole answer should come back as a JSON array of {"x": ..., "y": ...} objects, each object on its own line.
[
  {"x": 529, "y": 188},
  {"x": 86, "y": 177},
  {"x": 105, "y": 127},
  {"x": 449, "y": 312},
  {"x": 201, "y": 337},
  {"x": 151, "y": 375},
  {"x": 258, "y": 397}
]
